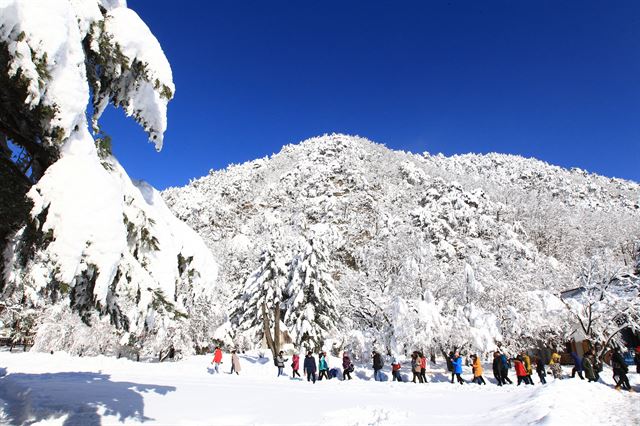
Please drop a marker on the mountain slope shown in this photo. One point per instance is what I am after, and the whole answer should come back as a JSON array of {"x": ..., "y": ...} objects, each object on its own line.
[{"x": 484, "y": 239}]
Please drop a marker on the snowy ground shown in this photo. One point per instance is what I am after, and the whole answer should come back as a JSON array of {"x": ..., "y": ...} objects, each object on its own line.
[{"x": 60, "y": 389}]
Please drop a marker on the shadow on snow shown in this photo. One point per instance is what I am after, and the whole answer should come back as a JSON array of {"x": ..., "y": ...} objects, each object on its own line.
[{"x": 30, "y": 398}]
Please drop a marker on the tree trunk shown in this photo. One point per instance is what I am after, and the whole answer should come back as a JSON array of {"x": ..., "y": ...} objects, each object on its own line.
[
  {"x": 276, "y": 326},
  {"x": 266, "y": 328}
]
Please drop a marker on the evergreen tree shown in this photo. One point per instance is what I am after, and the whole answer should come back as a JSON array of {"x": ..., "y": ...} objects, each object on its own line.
[
  {"x": 312, "y": 298},
  {"x": 258, "y": 305}
]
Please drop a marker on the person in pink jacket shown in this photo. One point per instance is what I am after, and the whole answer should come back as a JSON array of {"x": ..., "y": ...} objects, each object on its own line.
[{"x": 295, "y": 366}]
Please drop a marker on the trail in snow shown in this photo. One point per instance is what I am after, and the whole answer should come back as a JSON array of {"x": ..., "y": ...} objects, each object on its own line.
[{"x": 60, "y": 389}]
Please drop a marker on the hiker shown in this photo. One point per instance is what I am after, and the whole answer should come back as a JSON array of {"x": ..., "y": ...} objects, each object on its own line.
[
  {"x": 521, "y": 371},
  {"x": 310, "y": 367},
  {"x": 505, "y": 365},
  {"x": 347, "y": 366},
  {"x": 636, "y": 359},
  {"x": 620, "y": 370},
  {"x": 577, "y": 366},
  {"x": 415, "y": 367},
  {"x": 235, "y": 363},
  {"x": 279, "y": 361},
  {"x": 526, "y": 360},
  {"x": 423, "y": 368},
  {"x": 554, "y": 365},
  {"x": 477, "y": 370},
  {"x": 217, "y": 359},
  {"x": 377, "y": 366},
  {"x": 323, "y": 367},
  {"x": 295, "y": 366},
  {"x": 497, "y": 368},
  {"x": 449, "y": 364},
  {"x": 588, "y": 367},
  {"x": 540, "y": 370},
  {"x": 395, "y": 370},
  {"x": 456, "y": 361}
]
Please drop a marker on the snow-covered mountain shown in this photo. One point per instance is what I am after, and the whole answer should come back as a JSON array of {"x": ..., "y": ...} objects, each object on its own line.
[{"x": 482, "y": 243}]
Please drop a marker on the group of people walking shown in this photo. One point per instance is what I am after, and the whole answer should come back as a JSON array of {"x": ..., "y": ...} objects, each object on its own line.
[{"x": 522, "y": 363}]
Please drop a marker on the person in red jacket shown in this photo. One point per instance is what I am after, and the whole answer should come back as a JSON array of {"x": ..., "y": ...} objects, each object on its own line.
[
  {"x": 521, "y": 371},
  {"x": 217, "y": 359},
  {"x": 423, "y": 367},
  {"x": 295, "y": 366},
  {"x": 395, "y": 370}
]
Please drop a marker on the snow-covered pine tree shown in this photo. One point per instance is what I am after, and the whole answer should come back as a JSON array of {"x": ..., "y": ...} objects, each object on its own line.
[
  {"x": 82, "y": 234},
  {"x": 258, "y": 305},
  {"x": 312, "y": 300}
]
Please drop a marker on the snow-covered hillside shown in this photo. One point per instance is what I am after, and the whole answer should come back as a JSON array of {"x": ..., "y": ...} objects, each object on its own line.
[
  {"x": 61, "y": 389},
  {"x": 423, "y": 249}
]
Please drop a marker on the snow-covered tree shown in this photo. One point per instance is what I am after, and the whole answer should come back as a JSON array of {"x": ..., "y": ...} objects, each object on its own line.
[
  {"x": 87, "y": 237},
  {"x": 311, "y": 306},
  {"x": 605, "y": 302},
  {"x": 258, "y": 305}
]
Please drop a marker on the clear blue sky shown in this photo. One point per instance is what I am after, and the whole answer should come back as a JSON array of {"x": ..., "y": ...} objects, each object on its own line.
[{"x": 555, "y": 80}]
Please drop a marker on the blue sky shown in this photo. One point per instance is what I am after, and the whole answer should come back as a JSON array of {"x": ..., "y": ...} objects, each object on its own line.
[{"x": 555, "y": 80}]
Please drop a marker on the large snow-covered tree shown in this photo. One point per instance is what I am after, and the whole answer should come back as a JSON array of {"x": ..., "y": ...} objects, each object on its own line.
[
  {"x": 85, "y": 235},
  {"x": 258, "y": 305},
  {"x": 311, "y": 306},
  {"x": 605, "y": 301}
]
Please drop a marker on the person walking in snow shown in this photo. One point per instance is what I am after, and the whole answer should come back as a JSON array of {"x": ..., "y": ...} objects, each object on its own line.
[
  {"x": 456, "y": 361},
  {"x": 377, "y": 366},
  {"x": 505, "y": 365},
  {"x": 540, "y": 369},
  {"x": 554, "y": 365},
  {"x": 577, "y": 366},
  {"x": 347, "y": 367},
  {"x": 280, "y": 360},
  {"x": 323, "y": 367},
  {"x": 217, "y": 359},
  {"x": 497, "y": 369},
  {"x": 620, "y": 370},
  {"x": 415, "y": 367},
  {"x": 588, "y": 367},
  {"x": 448, "y": 359},
  {"x": 235, "y": 363},
  {"x": 423, "y": 368},
  {"x": 295, "y": 366},
  {"x": 395, "y": 370},
  {"x": 477, "y": 370},
  {"x": 310, "y": 367},
  {"x": 521, "y": 371},
  {"x": 526, "y": 360}
]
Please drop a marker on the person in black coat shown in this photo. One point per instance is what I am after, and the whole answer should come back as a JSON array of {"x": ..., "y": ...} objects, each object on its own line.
[
  {"x": 620, "y": 370},
  {"x": 310, "y": 367},
  {"x": 377, "y": 366},
  {"x": 542, "y": 373},
  {"x": 497, "y": 368}
]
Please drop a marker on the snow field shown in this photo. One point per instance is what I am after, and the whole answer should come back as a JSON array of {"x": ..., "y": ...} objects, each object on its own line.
[{"x": 39, "y": 388}]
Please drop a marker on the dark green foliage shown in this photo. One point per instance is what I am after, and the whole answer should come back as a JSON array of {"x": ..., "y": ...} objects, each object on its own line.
[
  {"x": 160, "y": 304},
  {"x": 33, "y": 238},
  {"x": 81, "y": 297}
]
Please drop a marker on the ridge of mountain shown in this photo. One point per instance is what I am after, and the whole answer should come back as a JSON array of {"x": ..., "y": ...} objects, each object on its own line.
[{"x": 399, "y": 224}]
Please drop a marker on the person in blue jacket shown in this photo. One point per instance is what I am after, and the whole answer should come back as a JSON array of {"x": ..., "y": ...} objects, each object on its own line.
[
  {"x": 577, "y": 366},
  {"x": 457, "y": 366},
  {"x": 310, "y": 367},
  {"x": 323, "y": 367},
  {"x": 505, "y": 366}
]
